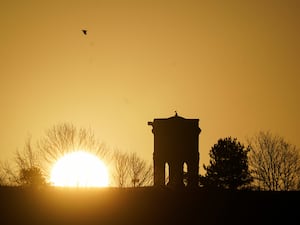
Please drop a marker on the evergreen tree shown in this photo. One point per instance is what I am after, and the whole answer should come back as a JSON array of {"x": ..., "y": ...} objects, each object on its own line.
[{"x": 228, "y": 167}]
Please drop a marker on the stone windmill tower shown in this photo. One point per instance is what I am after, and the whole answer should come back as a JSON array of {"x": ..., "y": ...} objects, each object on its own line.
[{"x": 176, "y": 141}]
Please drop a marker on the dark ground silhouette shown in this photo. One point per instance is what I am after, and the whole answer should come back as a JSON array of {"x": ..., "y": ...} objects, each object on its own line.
[{"x": 146, "y": 206}]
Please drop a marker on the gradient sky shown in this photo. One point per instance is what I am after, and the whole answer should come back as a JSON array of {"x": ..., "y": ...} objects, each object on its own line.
[{"x": 232, "y": 64}]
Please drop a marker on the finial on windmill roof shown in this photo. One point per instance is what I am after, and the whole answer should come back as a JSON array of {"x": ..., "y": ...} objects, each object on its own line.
[{"x": 176, "y": 113}]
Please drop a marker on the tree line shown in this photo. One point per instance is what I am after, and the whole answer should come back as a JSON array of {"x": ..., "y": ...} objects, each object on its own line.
[
  {"x": 268, "y": 162},
  {"x": 32, "y": 165}
]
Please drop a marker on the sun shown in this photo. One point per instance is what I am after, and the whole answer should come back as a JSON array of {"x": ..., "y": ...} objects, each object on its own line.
[{"x": 79, "y": 169}]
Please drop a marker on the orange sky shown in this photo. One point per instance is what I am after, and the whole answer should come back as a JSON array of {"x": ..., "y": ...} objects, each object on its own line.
[{"x": 232, "y": 64}]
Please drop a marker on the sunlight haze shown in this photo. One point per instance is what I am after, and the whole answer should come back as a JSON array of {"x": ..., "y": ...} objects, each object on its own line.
[
  {"x": 234, "y": 65},
  {"x": 79, "y": 169}
]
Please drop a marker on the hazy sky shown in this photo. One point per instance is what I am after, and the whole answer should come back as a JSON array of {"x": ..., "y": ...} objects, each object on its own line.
[{"x": 232, "y": 64}]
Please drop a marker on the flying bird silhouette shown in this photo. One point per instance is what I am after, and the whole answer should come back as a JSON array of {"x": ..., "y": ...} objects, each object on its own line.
[{"x": 84, "y": 32}]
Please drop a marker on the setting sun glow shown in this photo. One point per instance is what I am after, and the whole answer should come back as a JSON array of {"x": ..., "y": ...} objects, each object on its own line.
[{"x": 79, "y": 169}]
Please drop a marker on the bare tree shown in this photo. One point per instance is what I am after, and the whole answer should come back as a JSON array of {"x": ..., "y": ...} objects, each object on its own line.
[
  {"x": 7, "y": 176},
  {"x": 64, "y": 138},
  {"x": 120, "y": 173},
  {"x": 275, "y": 164},
  {"x": 29, "y": 166},
  {"x": 28, "y": 157},
  {"x": 130, "y": 170},
  {"x": 25, "y": 169},
  {"x": 139, "y": 172},
  {"x": 32, "y": 165},
  {"x": 2, "y": 176}
]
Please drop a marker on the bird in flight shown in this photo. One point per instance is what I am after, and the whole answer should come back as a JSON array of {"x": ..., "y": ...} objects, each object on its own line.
[{"x": 84, "y": 32}]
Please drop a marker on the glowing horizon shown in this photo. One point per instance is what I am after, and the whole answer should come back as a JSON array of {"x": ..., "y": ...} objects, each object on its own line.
[{"x": 235, "y": 66}]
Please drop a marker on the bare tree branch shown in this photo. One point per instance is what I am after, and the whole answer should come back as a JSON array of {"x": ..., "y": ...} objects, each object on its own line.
[
  {"x": 131, "y": 170},
  {"x": 275, "y": 164},
  {"x": 64, "y": 138},
  {"x": 121, "y": 168}
]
